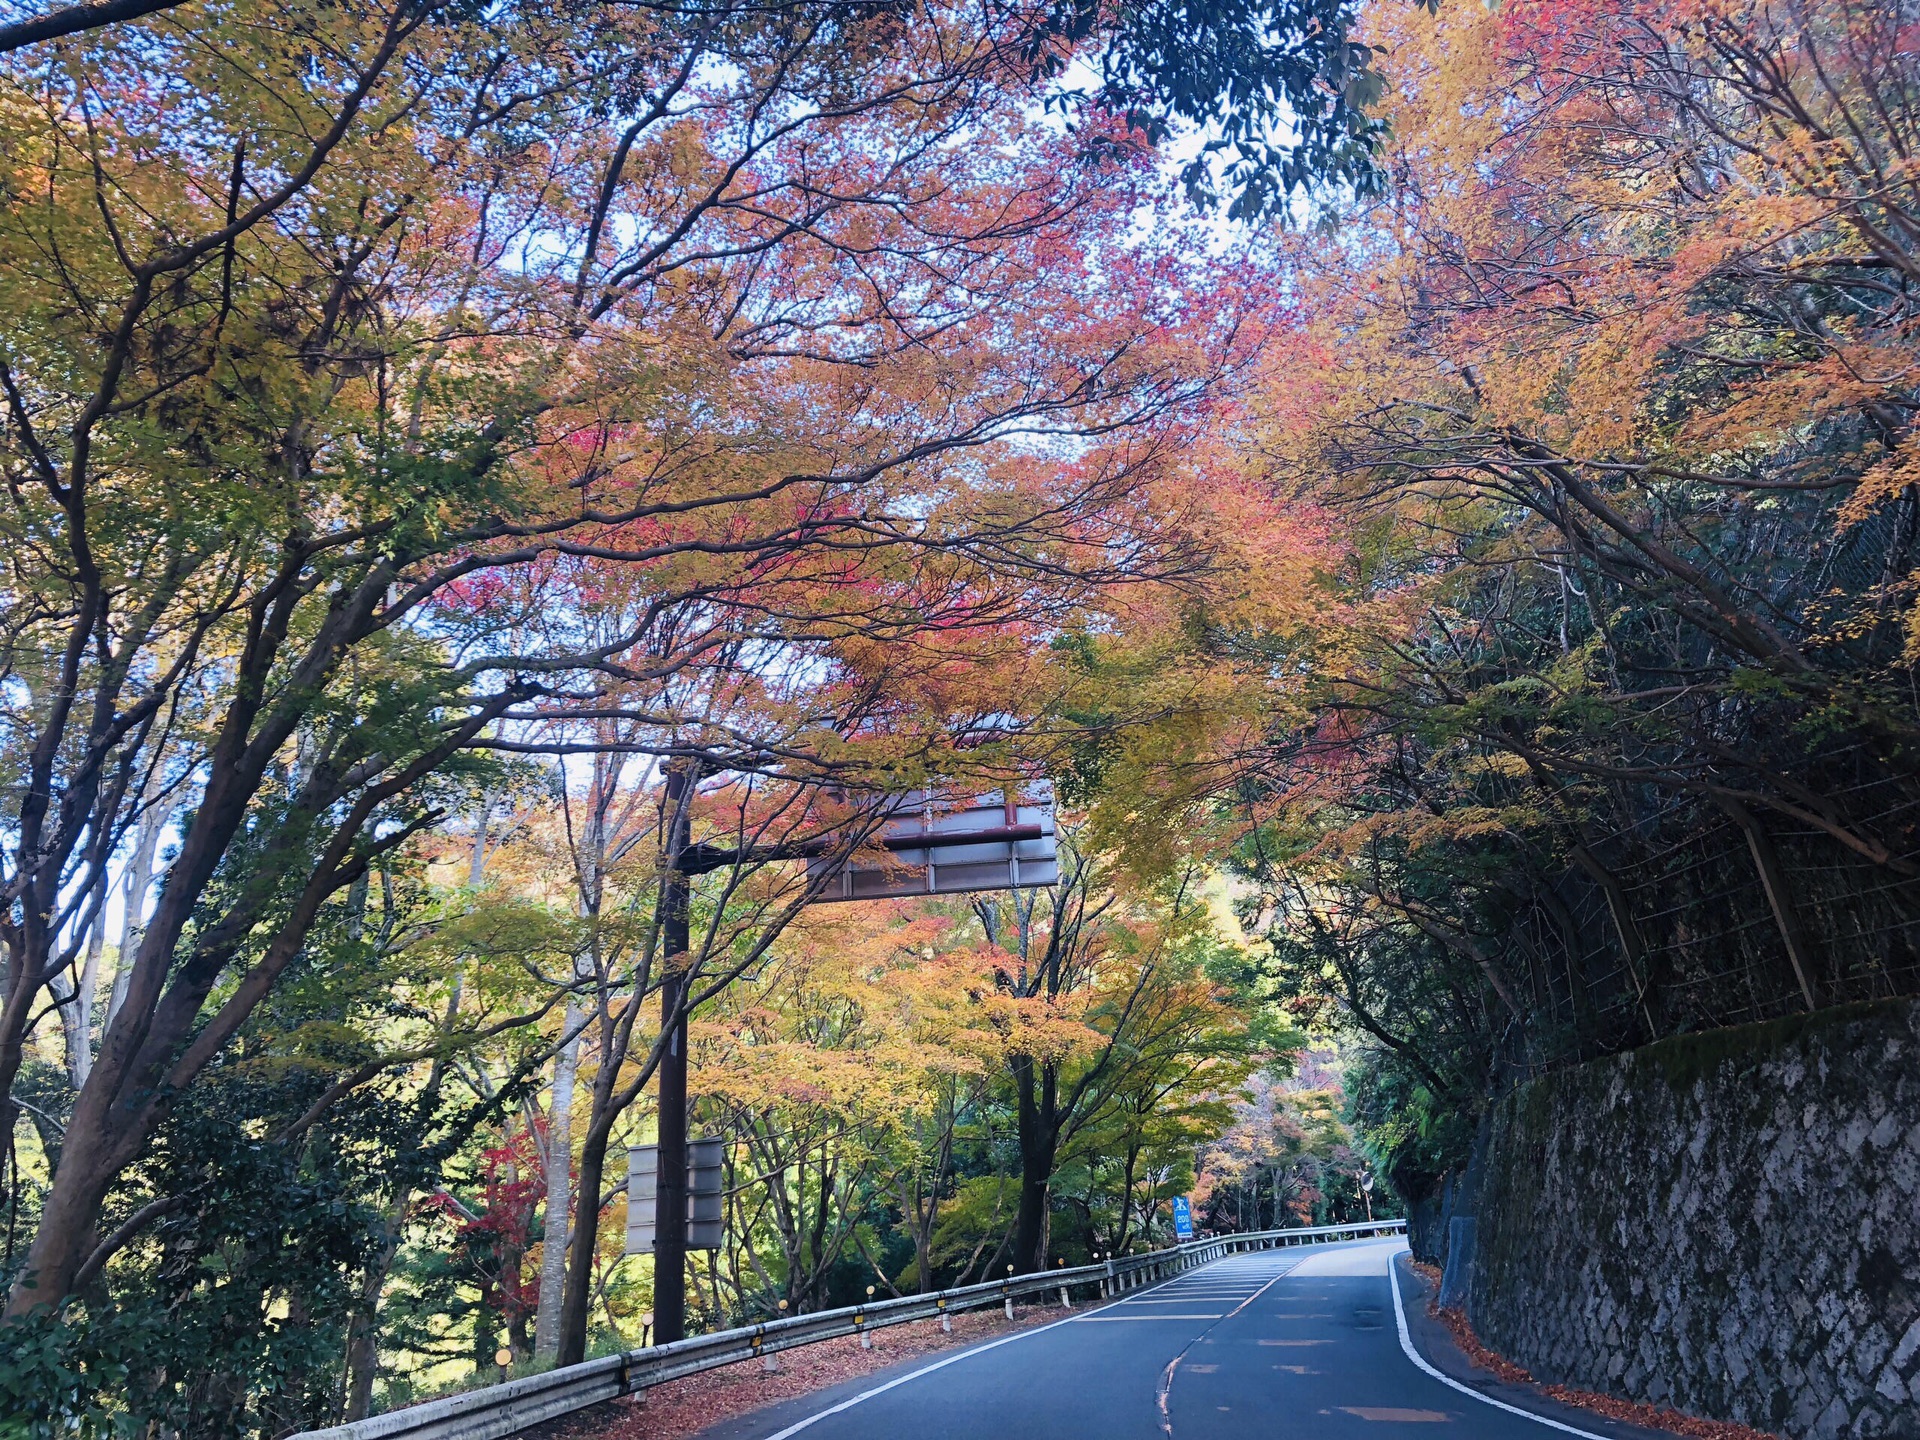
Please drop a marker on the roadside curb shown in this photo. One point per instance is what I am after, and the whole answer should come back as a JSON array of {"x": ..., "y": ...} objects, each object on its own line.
[{"x": 1432, "y": 1342}]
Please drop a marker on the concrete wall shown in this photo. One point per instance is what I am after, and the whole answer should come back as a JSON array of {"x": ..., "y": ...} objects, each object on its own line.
[{"x": 1727, "y": 1224}]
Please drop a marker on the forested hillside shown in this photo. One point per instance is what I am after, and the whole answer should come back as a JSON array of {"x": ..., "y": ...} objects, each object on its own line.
[
  {"x": 1428, "y": 488},
  {"x": 1614, "y": 733}
]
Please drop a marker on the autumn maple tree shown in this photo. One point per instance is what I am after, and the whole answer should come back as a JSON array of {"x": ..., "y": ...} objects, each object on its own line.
[
  {"x": 304, "y": 507},
  {"x": 402, "y": 395},
  {"x": 1612, "y": 733},
  {"x": 470, "y": 470}
]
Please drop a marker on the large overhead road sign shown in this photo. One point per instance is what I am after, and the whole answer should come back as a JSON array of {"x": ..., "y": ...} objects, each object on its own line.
[{"x": 934, "y": 845}]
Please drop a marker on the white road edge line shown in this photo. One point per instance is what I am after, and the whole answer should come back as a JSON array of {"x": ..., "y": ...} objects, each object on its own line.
[
  {"x": 1406, "y": 1344},
  {"x": 853, "y": 1400}
]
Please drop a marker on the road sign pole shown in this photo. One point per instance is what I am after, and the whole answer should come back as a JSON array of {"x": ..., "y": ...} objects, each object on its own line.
[{"x": 670, "y": 1207}]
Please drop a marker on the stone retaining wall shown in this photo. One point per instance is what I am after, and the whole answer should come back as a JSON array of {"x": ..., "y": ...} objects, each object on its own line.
[{"x": 1727, "y": 1224}]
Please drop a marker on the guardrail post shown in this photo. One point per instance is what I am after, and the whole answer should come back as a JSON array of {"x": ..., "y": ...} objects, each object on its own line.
[
  {"x": 768, "y": 1363},
  {"x": 1006, "y": 1289},
  {"x": 1106, "y": 1285},
  {"x": 946, "y": 1320},
  {"x": 1065, "y": 1304}
]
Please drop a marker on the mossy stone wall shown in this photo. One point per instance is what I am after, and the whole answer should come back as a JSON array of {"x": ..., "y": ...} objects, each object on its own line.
[{"x": 1727, "y": 1224}]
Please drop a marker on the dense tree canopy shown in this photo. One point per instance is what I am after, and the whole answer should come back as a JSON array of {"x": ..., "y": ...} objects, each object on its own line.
[
  {"x": 456, "y": 456},
  {"x": 428, "y": 429},
  {"x": 1614, "y": 734}
]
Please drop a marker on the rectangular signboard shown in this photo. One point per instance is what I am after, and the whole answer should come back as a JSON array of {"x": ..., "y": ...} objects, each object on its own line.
[
  {"x": 938, "y": 845},
  {"x": 1182, "y": 1218},
  {"x": 706, "y": 1195}
]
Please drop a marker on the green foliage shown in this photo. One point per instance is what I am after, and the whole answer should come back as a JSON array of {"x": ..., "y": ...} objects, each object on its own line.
[
  {"x": 254, "y": 1264},
  {"x": 1413, "y": 1136},
  {"x": 62, "y": 1374},
  {"x": 1279, "y": 92}
]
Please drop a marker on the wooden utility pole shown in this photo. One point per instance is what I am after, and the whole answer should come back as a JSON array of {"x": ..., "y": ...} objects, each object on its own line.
[{"x": 670, "y": 1208}]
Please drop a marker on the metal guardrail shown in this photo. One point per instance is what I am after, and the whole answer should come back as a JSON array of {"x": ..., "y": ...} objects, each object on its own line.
[{"x": 500, "y": 1411}]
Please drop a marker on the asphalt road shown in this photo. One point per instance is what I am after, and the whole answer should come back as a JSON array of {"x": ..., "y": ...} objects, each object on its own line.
[{"x": 1301, "y": 1344}]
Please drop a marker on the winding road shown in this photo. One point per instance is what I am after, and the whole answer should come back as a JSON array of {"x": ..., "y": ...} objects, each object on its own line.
[{"x": 1299, "y": 1344}]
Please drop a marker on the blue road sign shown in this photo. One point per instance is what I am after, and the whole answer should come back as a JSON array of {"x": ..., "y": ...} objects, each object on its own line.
[{"x": 1182, "y": 1218}]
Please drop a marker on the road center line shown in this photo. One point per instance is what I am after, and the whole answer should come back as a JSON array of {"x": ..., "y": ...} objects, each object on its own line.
[{"x": 1166, "y": 1376}]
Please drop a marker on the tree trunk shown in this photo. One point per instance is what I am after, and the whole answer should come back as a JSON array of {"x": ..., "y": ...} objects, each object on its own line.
[
  {"x": 363, "y": 1336},
  {"x": 610, "y": 1097},
  {"x": 1039, "y": 1137},
  {"x": 557, "y": 1155},
  {"x": 67, "y": 1231},
  {"x": 1126, "y": 1199},
  {"x": 75, "y": 1002},
  {"x": 578, "y": 1293},
  {"x": 133, "y": 905}
]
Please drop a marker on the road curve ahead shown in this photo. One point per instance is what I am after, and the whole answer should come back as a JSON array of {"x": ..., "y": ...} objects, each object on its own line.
[{"x": 1287, "y": 1345}]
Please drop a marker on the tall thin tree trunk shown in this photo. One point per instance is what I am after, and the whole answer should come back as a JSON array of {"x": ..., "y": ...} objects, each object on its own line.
[
  {"x": 1125, "y": 1227},
  {"x": 363, "y": 1334},
  {"x": 133, "y": 906},
  {"x": 557, "y": 1151},
  {"x": 73, "y": 1002},
  {"x": 80, "y": 1033},
  {"x": 1039, "y": 1136}
]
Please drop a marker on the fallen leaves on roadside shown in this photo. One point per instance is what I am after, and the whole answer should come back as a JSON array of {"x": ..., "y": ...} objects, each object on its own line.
[{"x": 1626, "y": 1411}]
